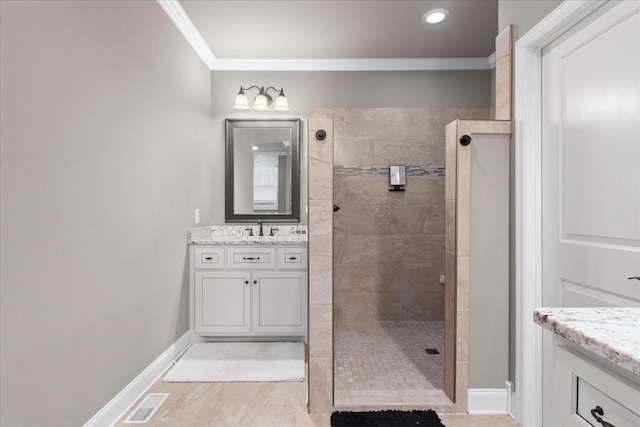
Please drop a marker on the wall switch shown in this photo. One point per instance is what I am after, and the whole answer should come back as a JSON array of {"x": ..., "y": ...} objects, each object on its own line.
[
  {"x": 442, "y": 279},
  {"x": 197, "y": 216}
]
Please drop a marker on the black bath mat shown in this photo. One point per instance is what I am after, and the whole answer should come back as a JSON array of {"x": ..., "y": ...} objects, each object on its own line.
[{"x": 386, "y": 419}]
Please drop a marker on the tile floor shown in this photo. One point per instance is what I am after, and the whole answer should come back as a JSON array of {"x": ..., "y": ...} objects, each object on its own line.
[
  {"x": 261, "y": 405},
  {"x": 386, "y": 362},
  {"x": 264, "y": 404}
]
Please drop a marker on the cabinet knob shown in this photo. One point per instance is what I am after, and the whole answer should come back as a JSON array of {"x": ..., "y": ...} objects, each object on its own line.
[
  {"x": 255, "y": 282},
  {"x": 246, "y": 282}
]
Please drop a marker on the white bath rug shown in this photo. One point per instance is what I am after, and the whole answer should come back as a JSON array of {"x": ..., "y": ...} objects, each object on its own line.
[{"x": 240, "y": 361}]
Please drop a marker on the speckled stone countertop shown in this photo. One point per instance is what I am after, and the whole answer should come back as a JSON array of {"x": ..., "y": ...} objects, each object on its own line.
[
  {"x": 238, "y": 235},
  {"x": 609, "y": 332}
]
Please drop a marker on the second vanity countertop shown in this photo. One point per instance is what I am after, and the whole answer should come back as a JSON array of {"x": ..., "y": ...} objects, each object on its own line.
[
  {"x": 238, "y": 235},
  {"x": 609, "y": 332}
]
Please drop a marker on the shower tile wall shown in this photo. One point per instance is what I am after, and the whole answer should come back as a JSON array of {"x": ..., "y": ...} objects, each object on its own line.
[{"x": 389, "y": 246}]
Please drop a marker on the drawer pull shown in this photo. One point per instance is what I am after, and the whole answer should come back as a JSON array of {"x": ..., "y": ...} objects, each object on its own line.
[
  {"x": 209, "y": 258},
  {"x": 292, "y": 258},
  {"x": 634, "y": 277},
  {"x": 599, "y": 411},
  {"x": 250, "y": 258}
]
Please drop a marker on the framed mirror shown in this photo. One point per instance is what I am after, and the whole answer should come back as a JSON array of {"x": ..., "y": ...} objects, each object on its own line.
[{"x": 262, "y": 176}]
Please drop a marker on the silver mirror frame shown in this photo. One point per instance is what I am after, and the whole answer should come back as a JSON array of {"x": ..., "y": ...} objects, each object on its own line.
[{"x": 229, "y": 214}]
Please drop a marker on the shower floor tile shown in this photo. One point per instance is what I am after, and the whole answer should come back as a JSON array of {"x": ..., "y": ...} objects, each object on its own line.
[{"x": 386, "y": 362}]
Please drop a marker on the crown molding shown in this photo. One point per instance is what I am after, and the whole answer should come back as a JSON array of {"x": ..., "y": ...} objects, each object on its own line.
[
  {"x": 351, "y": 64},
  {"x": 191, "y": 33},
  {"x": 492, "y": 60},
  {"x": 188, "y": 30}
]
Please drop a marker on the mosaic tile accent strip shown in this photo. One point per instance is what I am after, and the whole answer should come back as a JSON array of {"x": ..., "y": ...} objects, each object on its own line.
[{"x": 384, "y": 170}]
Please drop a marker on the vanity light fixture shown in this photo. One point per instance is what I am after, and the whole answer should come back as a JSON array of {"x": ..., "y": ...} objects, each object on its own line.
[
  {"x": 435, "y": 16},
  {"x": 262, "y": 101}
]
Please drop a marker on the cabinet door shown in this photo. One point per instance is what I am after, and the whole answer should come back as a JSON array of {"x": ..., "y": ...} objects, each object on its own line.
[
  {"x": 280, "y": 303},
  {"x": 222, "y": 303}
]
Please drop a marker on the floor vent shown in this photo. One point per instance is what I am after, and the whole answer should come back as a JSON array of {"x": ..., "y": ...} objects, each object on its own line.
[
  {"x": 146, "y": 408},
  {"x": 431, "y": 351}
]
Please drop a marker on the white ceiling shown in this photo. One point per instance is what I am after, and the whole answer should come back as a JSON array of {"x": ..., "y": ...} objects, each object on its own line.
[{"x": 343, "y": 29}]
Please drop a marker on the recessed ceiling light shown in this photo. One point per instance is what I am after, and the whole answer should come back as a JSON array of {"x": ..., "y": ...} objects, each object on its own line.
[{"x": 435, "y": 15}]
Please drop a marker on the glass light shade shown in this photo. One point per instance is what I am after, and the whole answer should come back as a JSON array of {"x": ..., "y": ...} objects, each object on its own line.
[
  {"x": 261, "y": 103},
  {"x": 281, "y": 103},
  {"x": 242, "y": 103}
]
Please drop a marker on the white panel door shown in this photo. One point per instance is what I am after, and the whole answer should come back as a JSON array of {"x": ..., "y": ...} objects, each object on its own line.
[{"x": 591, "y": 167}]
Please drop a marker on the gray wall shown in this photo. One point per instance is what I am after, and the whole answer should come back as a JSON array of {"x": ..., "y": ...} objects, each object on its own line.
[
  {"x": 523, "y": 15},
  {"x": 308, "y": 90},
  {"x": 489, "y": 262},
  {"x": 105, "y": 146}
]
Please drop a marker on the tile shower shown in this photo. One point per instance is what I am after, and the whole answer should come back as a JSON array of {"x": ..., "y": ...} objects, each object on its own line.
[{"x": 388, "y": 303}]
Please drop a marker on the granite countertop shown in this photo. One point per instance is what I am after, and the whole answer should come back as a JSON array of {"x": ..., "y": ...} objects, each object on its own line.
[
  {"x": 238, "y": 235},
  {"x": 609, "y": 332}
]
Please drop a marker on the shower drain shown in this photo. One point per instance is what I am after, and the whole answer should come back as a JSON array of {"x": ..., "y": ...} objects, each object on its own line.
[{"x": 431, "y": 351}]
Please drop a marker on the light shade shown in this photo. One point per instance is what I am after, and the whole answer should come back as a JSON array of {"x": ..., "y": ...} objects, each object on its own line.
[
  {"x": 281, "y": 102},
  {"x": 435, "y": 15},
  {"x": 242, "y": 103},
  {"x": 261, "y": 103}
]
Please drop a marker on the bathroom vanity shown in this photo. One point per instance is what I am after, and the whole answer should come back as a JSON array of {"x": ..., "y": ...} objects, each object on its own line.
[
  {"x": 596, "y": 365},
  {"x": 248, "y": 286}
]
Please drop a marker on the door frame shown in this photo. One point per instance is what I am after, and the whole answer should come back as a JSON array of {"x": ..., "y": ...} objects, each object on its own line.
[{"x": 528, "y": 201}]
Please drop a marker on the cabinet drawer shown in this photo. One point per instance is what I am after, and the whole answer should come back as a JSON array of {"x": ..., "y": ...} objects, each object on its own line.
[
  {"x": 209, "y": 258},
  {"x": 251, "y": 258},
  {"x": 613, "y": 412},
  {"x": 582, "y": 382},
  {"x": 292, "y": 258}
]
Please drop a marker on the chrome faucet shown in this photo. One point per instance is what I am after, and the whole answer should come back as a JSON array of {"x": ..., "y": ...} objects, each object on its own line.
[{"x": 260, "y": 224}]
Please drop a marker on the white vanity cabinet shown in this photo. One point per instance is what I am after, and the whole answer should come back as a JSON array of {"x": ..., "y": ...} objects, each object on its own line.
[
  {"x": 248, "y": 290},
  {"x": 585, "y": 388},
  {"x": 595, "y": 366}
]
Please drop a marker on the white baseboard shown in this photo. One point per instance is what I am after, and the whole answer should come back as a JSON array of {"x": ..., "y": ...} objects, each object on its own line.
[
  {"x": 119, "y": 405},
  {"x": 488, "y": 401}
]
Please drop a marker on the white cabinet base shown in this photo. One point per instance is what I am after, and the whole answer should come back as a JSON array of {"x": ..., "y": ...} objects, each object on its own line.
[
  {"x": 581, "y": 385},
  {"x": 249, "y": 291}
]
